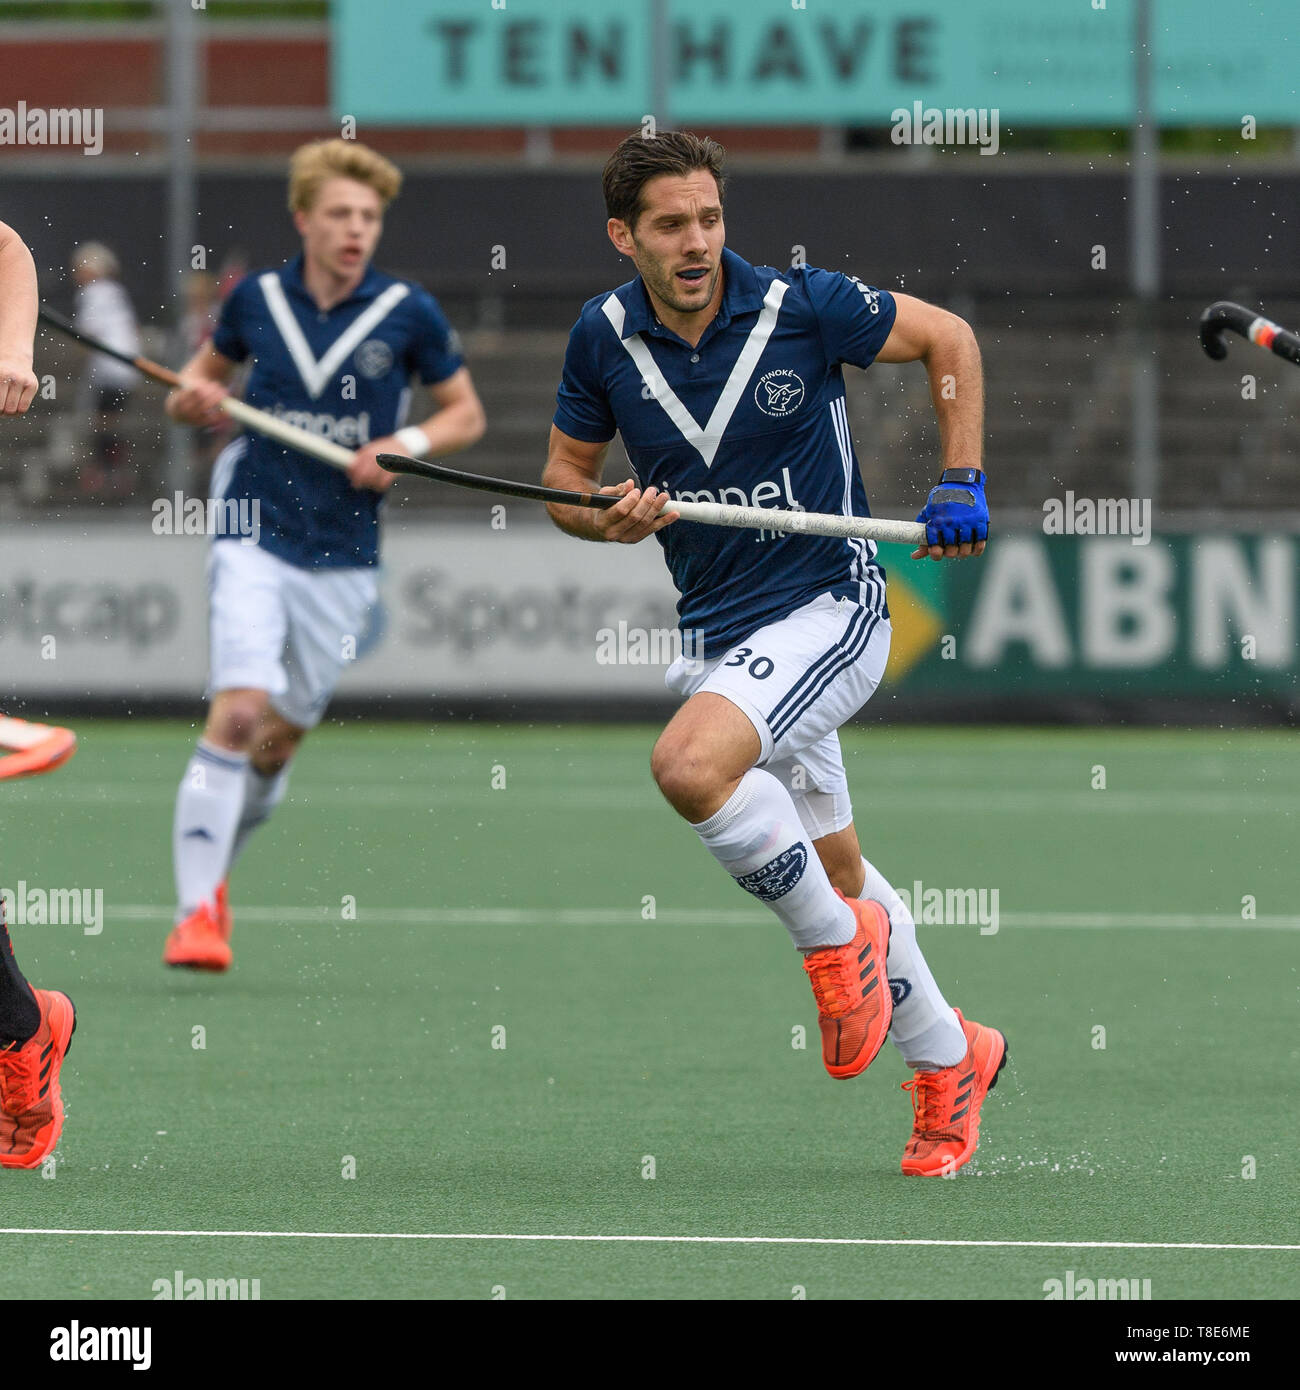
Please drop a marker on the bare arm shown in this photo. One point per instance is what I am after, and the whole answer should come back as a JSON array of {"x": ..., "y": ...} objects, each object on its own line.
[
  {"x": 205, "y": 375},
  {"x": 458, "y": 422},
  {"x": 574, "y": 465},
  {"x": 946, "y": 345},
  {"x": 19, "y": 302}
]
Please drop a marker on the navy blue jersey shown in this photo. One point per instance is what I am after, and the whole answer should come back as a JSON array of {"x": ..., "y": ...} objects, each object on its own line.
[
  {"x": 752, "y": 416},
  {"x": 343, "y": 374}
]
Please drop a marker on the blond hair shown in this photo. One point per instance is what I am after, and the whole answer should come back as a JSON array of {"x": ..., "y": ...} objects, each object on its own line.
[
  {"x": 95, "y": 257},
  {"x": 313, "y": 165}
]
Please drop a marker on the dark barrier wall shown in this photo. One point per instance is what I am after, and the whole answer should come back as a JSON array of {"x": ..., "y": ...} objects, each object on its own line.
[{"x": 931, "y": 234}]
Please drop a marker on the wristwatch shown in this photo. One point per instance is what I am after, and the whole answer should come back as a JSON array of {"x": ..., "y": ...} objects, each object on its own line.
[{"x": 969, "y": 476}]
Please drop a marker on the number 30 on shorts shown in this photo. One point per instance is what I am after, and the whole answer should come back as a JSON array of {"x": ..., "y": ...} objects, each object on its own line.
[{"x": 760, "y": 668}]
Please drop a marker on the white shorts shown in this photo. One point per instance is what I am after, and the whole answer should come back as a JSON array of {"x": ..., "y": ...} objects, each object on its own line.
[
  {"x": 289, "y": 631},
  {"x": 797, "y": 681}
]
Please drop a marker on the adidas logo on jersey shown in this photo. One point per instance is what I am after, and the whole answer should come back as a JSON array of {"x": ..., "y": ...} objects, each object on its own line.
[{"x": 352, "y": 431}]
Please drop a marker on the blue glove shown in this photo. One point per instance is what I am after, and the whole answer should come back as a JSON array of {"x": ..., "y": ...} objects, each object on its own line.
[{"x": 956, "y": 512}]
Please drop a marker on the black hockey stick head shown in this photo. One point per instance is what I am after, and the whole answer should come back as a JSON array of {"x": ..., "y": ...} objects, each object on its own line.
[
  {"x": 417, "y": 468},
  {"x": 1222, "y": 315}
]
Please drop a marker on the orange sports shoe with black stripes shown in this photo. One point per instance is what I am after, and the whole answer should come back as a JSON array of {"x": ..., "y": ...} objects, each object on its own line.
[
  {"x": 31, "y": 1104},
  {"x": 854, "y": 1005},
  {"x": 946, "y": 1104}
]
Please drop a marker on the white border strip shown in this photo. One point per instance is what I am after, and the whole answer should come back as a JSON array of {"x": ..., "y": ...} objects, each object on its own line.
[
  {"x": 683, "y": 917},
  {"x": 656, "y": 1240}
]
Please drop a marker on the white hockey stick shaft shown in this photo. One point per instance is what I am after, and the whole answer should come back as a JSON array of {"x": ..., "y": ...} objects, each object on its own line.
[
  {"x": 799, "y": 523},
  {"x": 869, "y": 528},
  {"x": 260, "y": 420},
  {"x": 324, "y": 449}
]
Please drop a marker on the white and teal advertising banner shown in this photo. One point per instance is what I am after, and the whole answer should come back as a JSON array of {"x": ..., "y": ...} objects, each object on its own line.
[
  {"x": 477, "y": 611},
  {"x": 779, "y": 62}
]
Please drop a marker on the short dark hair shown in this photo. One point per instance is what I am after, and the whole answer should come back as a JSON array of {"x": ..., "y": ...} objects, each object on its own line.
[{"x": 641, "y": 158}]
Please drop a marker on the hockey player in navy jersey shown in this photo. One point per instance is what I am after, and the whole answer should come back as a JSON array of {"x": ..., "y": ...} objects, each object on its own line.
[
  {"x": 335, "y": 344},
  {"x": 725, "y": 382}
]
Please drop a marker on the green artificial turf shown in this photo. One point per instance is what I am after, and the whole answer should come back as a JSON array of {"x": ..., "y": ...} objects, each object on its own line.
[{"x": 649, "y": 1010}]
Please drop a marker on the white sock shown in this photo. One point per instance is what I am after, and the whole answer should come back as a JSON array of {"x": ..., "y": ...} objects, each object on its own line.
[
  {"x": 925, "y": 1029},
  {"x": 208, "y": 804},
  {"x": 262, "y": 794},
  {"x": 758, "y": 839}
]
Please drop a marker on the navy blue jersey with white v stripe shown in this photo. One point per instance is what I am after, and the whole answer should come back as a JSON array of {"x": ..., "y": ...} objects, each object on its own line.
[
  {"x": 753, "y": 416},
  {"x": 344, "y": 374}
]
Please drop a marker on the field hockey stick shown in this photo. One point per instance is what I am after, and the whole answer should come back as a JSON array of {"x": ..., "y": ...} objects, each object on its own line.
[
  {"x": 1224, "y": 314},
  {"x": 254, "y": 419},
  {"x": 710, "y": 513},
  {"x": 27, "y": 749}
]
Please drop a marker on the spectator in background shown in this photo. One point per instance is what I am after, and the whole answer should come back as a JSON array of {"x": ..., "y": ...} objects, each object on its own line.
[{"x": 104, "y": 310}]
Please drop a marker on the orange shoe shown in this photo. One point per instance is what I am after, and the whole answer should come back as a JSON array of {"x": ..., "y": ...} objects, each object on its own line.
[
  {"x": 197, "y": 942},
  {"x": 31, "y": 1105},
  {"x": 854, "y": 1005},
  {"x": 946, "y": 1104},
  {"x": 221, "y": 911}
]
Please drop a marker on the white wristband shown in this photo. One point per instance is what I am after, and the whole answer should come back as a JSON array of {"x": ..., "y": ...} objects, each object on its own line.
[{"x": 414, "y": 441}]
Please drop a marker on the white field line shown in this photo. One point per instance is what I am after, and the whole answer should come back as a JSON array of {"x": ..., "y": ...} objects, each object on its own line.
[
  {"x": 636, "y": 799},
  {"x": 667, "y": 917},
  {"x": 654, "y": 1240}
]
